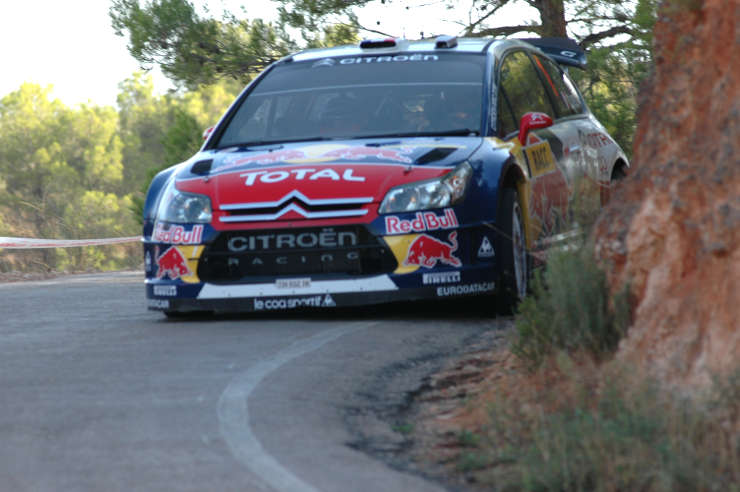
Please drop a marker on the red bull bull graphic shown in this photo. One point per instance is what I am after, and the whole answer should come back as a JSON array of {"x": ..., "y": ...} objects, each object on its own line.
[
  {"x": 315, "y": 154},
  {"x": 267, "y": 158},
  {"x": 422, "y": 222},
  {"x": 177, "y": 234},
  {"x": 173, "y": 264},
  {"x": 362, "y": 152},
  {"x": 426, "y": 251}
]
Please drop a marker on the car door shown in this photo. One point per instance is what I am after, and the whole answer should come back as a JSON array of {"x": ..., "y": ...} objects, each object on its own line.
[
  {"x": 582, "y": 160},
  {"x": 521, "y": 91}
]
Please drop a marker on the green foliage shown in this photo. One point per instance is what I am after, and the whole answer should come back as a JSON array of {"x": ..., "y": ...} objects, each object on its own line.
[
  {"x": 182, "y": 139},
  {"x": 98, "y": 214},
  {"x": 144, "y": 119},
  {"x": 72, "y": 173},
  {"x": 57, "y": 164},
  {"x": 626, "y": 435},
  {"x": 615, "y": 72},
  {"x": 160, "y": 131},
  {"x": 193, "y": 50},
  {"x": 404, "y": 428},
  {"x": 471, "y": 461},
  {"x": 569, "y": 309},
  {"x": 334, "y": 35},
  {"x": 610, "y": 90},
  {"x": 469, "y": 439}
]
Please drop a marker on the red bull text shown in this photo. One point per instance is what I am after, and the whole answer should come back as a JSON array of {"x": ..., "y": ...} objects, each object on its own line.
[
  {"x": 177, "y": 234},
  {"x": 422, "y": 222}
]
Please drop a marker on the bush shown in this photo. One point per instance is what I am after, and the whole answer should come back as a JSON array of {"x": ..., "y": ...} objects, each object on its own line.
[
  {"x": 570, "y": 309},
  {"x": 582, "y": 435}
]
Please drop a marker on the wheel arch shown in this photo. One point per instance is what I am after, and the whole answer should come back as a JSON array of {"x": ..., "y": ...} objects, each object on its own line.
[
  {"x": 513, "y": 177},
  {"x": 619, "y": 169},
  {"x": 618, "y": 173}
]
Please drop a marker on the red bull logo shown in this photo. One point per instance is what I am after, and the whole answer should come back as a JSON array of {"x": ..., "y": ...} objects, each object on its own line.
[
  {"x": 178, "y": 234},
  {"x": 173, "y": 264},
  {"x": 426, "y": 251},
  {"x": 315, "y": 154},
  {"x": 268, "y": 158},
  {"x": 361, "y": 152}
]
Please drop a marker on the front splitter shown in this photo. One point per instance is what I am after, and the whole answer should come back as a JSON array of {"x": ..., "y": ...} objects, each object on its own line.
[{"x": 315, "y": 301}]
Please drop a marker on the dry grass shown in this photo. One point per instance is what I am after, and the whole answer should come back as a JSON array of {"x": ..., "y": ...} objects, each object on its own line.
[
  {"x": 565, "y": 416},
  {"x": 572, "y": 426}
]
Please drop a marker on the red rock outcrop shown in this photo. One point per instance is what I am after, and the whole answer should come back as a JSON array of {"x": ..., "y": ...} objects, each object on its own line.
[{"x": 673, "y": 228}]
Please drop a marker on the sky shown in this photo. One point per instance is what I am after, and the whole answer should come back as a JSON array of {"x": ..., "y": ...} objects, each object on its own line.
[{"x": 70, "y": 44}]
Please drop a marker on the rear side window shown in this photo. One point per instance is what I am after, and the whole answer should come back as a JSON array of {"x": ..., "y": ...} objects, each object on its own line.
[
  {"x": 521, "y": 91},
  {"x": 565, "y": 97}
]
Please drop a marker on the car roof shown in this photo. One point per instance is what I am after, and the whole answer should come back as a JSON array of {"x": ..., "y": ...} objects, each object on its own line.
[
  {"x": 464, "y": 45},
  {"x": 563, "y": 50}
]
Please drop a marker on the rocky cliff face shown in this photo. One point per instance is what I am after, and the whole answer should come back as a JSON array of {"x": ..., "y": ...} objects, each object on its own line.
[{"x": 672, "y": 230}]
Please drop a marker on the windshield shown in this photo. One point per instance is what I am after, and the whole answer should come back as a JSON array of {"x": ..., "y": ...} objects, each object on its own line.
[{"x": 353, "y": 97}]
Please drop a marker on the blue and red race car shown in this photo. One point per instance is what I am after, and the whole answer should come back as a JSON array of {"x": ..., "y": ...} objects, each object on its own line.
[{"x": 389, "y": 171}]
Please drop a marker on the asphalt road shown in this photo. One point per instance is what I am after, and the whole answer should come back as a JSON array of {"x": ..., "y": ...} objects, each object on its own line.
[{"x": 98, "y": 394}]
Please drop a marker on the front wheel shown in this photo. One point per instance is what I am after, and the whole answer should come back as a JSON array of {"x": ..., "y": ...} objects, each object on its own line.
[{"x": 511, "y": 252}]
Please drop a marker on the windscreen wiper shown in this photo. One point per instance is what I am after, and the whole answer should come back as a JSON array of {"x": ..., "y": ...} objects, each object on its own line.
[
  {"x": 463, "y": 132},
  {"x": 278, "y": 143}
]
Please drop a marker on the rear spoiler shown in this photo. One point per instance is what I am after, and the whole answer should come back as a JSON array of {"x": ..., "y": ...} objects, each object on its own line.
[{"x": 565, "y": 51}]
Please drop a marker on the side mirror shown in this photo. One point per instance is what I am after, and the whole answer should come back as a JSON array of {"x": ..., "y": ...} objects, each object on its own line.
[
  {"x": 532, "y": 121},
  {"x": 207, "y": 132}
]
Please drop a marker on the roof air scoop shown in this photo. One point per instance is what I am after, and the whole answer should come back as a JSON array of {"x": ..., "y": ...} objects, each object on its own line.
[
  {"x": 367, "y": 44},
  {"x": 445, "y": 42},
  {"x": 202, "y": 167}
]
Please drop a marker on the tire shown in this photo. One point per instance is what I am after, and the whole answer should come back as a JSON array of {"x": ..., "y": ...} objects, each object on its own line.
[
  {"x": 175, "y": 315},
  {"x": 511, "y": 253}
]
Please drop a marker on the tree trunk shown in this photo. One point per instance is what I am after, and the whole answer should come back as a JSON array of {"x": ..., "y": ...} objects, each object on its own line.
[{"x": 552, "y": 15}]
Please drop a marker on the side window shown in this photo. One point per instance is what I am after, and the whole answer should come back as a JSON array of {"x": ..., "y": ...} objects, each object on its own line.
[
  {"x": 565, "y": 97},
  {"x": 522, "y": 88},
  {"x": 506, "y": 123},
  {"x": 573, "y": 95}
]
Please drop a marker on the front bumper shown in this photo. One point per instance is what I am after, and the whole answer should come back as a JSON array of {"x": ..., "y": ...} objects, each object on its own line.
[
  {"x": 426, "y": 265},
  {"x": 320, "y": 294}
]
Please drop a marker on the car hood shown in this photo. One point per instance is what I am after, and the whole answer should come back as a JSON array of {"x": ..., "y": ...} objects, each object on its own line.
[{"x": 273, "y": 182}]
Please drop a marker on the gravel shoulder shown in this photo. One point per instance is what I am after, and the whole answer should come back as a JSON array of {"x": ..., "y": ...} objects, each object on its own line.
[{"x": 415, "y": 425}]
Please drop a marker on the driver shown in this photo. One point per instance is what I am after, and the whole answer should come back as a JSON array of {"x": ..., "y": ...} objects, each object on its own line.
[
  {"x": 414, "y": 116},
  {"x": 460, "y": 111}
]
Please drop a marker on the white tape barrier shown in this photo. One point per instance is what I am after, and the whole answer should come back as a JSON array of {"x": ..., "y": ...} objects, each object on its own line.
[{"x": 27, "y": 243}]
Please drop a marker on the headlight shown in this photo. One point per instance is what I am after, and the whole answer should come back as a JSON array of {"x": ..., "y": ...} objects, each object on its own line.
[
  {"x": 178, "y": 206},
  {"x": 432, "y": 193}
]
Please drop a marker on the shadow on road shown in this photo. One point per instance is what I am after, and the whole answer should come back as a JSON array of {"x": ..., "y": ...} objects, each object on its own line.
[{"x": 427, "y": 310}]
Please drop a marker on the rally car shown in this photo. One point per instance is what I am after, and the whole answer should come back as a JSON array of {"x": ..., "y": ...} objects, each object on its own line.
[{"x": 389, "y": 171}]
